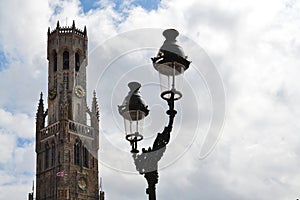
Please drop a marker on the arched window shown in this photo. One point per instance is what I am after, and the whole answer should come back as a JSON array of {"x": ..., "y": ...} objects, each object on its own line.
[
  {"x": 88, "y": 119},
  {"x": 58, "y": 158},
  {"x": 77, "y": 153},
  {"x": 55, "y": 61},
  {"x": 66, "y": 60},
  {"x": 53, "y": 154},
  {"x": 85, "y": 157},
  {"x": 77, "y": 62}
]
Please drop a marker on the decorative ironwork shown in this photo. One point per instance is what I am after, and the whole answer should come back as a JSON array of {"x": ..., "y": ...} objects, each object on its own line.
[
  {"x": 171, "y": 63},
  {"x": 147, "y": 162}
]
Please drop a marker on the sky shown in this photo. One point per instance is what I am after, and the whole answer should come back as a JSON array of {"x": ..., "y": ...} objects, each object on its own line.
[{"x": 236, "y": 134}]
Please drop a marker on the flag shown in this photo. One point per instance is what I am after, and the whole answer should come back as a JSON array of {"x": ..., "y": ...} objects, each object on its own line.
[{"x": 60, "y": 174}]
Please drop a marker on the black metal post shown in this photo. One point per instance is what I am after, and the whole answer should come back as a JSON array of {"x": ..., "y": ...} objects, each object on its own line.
[
  {"x": 152, "y": 179},
  {"x": 147, "y": 162}
]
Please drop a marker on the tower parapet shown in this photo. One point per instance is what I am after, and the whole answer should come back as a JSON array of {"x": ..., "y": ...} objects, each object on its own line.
[{"x": 68, "y": 29}]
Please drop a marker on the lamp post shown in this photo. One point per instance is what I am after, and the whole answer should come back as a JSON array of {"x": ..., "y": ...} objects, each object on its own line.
[{"x": 171, "y": 63}]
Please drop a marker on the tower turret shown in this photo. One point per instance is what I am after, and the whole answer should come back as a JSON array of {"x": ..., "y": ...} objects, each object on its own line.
[
  {"x": 40, "y": 121},
  {"x": 95, "y": 121},
  {"x": 95, "y": 112}
]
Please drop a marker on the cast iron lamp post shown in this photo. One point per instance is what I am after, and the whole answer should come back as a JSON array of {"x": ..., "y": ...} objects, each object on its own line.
[{"x": 171, "y": 63}]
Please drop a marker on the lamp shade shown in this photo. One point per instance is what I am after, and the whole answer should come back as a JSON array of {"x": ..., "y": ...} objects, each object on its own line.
[
  {"x": 171, "y": 63},
  {"x": 133, "y": 110}
]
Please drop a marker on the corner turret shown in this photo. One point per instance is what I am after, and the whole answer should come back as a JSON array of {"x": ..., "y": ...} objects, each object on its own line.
[
  {"x": 84, "y": 31},
  {"x": 40, "y": 121},
  {"x": 95, "y": 120},
  {"x": 95, "y": 107}
]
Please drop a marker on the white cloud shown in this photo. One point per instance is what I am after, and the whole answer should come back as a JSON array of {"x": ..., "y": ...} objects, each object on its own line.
[
  {"x": 9, "y": 190},
  {"x": 20, "y": 124},
  {"x": 7, "y": 145},
  {"x": 255, "y": 46}
]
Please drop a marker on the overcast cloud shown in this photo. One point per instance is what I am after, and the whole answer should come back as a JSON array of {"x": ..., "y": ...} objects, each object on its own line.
[{"x": 254, "y": 46}]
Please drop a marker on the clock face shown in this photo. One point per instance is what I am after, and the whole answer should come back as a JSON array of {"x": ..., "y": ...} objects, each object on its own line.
[
  {"x": 79, "y": 91},
  {"x": 82, "y": 183},
  {"x": 52, "y": 93}
]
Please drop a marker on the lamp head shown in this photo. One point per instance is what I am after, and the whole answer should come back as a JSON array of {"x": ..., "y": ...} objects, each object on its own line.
[
  {"x": 170, "y": 62},
  {"x": 134, "y": 107}
]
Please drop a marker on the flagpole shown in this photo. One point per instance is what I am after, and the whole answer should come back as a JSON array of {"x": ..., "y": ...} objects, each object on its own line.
[
  {"x": 101, "y": 184},
  {"x": 33, "y": 188},
  {"x": 101, "y": 190}
]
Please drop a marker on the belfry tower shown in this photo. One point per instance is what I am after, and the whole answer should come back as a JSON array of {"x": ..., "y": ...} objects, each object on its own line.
[{"x": 67, "y": 132}]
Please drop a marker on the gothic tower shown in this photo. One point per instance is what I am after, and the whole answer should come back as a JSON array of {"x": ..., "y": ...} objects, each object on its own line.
[{"x": 67, "y": 133}]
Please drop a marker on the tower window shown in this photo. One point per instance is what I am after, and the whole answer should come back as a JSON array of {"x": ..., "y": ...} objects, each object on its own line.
[
  {"x": 58, "y": 157},
  {"x": 85, "y": 157},
  {"x": 77, "y": 62},
  {"x": 66, "y": 60},
  {"x": 53, "y": 154},
  {"x": 77, "y": 153},
  {"x": 55, "y": 61}
]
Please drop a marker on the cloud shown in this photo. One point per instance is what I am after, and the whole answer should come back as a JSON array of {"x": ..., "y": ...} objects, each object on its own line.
[
  {"x": 7, "y": 146},
  {"x": 255, "y": 47},
  {"x": 16, "y": 143},
  {"x": 22, "y": 42},
  {"x": 16, "y": 166},
  {"x": 9, "y": 190},
  {"x": 23, "y": 129}
]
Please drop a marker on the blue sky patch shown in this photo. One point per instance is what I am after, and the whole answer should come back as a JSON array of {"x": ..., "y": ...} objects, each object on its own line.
[
  {"x": 88, "y": 5},
  {"x": 3, "y": 61},
  {"x": 146, "y": 4},
  {"x": 22, "y": 142}
]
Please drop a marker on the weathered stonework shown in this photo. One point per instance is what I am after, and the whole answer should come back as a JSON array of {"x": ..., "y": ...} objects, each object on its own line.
[{"x": 67, "y": 145}]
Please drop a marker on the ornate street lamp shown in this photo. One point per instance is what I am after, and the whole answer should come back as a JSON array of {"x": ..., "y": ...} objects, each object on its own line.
[
  {"x": 133, "y": 110},
  {"x": 171, "y": 63}
]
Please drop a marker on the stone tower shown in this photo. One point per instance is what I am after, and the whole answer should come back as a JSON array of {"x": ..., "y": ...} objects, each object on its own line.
[{"x": 67, "y": 132}]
